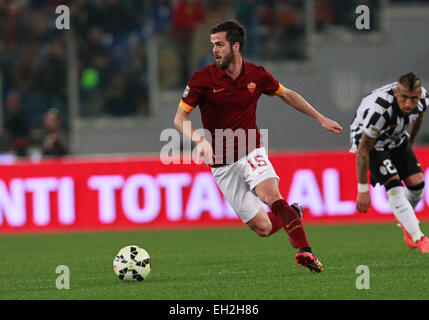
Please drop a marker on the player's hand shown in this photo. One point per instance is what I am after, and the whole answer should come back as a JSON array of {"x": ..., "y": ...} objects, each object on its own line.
[
  {"x": 363, "y": 201},
  {"x": 204, "y": 153},
  {"x": 331, "y": 125}
]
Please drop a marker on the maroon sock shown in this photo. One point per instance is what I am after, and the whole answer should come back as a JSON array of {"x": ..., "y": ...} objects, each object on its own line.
[
  {"x": 276, "y": 222},
  {"x": 292, "y": 223}
]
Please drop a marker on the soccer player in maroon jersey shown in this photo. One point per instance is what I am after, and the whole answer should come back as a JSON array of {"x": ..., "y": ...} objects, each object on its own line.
[{"x": 227, "y": 93}]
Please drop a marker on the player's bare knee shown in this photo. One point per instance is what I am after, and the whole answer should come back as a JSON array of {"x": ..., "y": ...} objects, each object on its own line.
[{"x": 269, "y": 199}]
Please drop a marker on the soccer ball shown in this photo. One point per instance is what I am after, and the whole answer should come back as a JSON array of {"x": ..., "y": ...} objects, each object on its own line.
[{"x": 132, "y": 263}]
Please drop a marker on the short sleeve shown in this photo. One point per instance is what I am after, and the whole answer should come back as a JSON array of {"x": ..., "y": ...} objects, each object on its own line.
[
  {"x": 270, "y": 85},
  {"x": 193, "y": 93},
  {"x": 424, "y": 100},
  {"x": 375, "y": 122}
]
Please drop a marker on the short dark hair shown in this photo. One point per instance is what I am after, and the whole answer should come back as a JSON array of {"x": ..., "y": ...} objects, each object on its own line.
[
  {"x": 235, "y": 32},
  {"x": 410, "y": 81}
]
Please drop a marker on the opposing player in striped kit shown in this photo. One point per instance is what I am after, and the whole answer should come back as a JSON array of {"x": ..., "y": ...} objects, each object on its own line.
[
  {"x": 226, "y": 93},
  {"x": 382, "y": 145}
]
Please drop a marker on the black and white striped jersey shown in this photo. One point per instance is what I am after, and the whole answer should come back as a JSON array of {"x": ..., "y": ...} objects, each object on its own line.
[{"x": 379, "y": 117}]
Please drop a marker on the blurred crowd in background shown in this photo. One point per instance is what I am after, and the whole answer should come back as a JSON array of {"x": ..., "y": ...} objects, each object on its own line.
[{"x": 112, "y": 38}]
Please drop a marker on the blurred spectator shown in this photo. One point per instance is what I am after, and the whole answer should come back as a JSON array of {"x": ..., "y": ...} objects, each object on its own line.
[
  {"x": 52, "y": 75},
  {"x": 290, "y": 30},
  {"x": 281, "y": 30},
  {"x": 323, "y": 14},
  {"x": 94, "y": 52},
  {"x": 137, "y": 78},
  {"x": 117, "y": 100},
  {"x": 16, "y": 126},
  {"x": 118, "y": 16},
  {"x": 160, "y": 13},
  {"x": 23, "y": 69},
  {"x": 39, "y": 26},
  {"x": 266, "y": 26},
  {"x": 54, "y": 143},
  {"x": 13, "y": 14},
  {"x": 187, "y": 15},
  {"x": 245, "y": 12},
  {"x": 341, "y": 14}
]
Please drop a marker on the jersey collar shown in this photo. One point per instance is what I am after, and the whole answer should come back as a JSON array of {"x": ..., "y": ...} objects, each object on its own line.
[{"x": 223, "y": 74}]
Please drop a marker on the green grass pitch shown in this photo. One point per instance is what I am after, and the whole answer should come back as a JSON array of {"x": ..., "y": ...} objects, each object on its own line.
[{"x": 230, "y": 263}]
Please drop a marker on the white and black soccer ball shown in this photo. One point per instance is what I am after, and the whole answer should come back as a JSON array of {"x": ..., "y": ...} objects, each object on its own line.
[{"x": 132, "y": 263}]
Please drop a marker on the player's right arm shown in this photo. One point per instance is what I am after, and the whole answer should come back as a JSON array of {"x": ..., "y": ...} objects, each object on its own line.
[
  {"x": 362, "y": 163},
  {"x": 185, "y": 127},
  {"x": 191, "y": 98}
]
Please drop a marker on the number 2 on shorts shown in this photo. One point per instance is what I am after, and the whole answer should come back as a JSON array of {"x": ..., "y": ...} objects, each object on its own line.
[{"x": 389, "y": 166}]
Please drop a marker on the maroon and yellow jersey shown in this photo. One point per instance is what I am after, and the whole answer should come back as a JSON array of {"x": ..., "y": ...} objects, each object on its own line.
[{"x": 229, "y": 105}]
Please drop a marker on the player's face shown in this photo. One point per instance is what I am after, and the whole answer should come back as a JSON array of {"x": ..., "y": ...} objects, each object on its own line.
[
  {"x": 407, "y": 100},
  {"x": 222, "y": 51}
]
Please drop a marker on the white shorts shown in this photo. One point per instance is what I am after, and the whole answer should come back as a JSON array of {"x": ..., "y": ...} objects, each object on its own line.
[{"x": 237, "y": 181}]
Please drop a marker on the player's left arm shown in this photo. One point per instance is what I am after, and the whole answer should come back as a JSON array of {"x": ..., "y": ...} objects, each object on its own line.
[
  {"x": 416, "y": 127},
  {"x": 295, "y": 100}
]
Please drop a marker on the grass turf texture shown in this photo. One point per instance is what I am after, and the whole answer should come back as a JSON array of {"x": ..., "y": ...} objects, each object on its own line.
[{"x": 217, "y": 264}]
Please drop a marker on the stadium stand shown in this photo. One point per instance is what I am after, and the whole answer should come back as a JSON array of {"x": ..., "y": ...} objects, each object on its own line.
[{"x": 112, "y": 39}]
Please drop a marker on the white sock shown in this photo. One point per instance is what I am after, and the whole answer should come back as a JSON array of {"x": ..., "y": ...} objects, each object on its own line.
[
  {"x": 404, "y": 212},
  {"x": 414, "y": 196}
]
